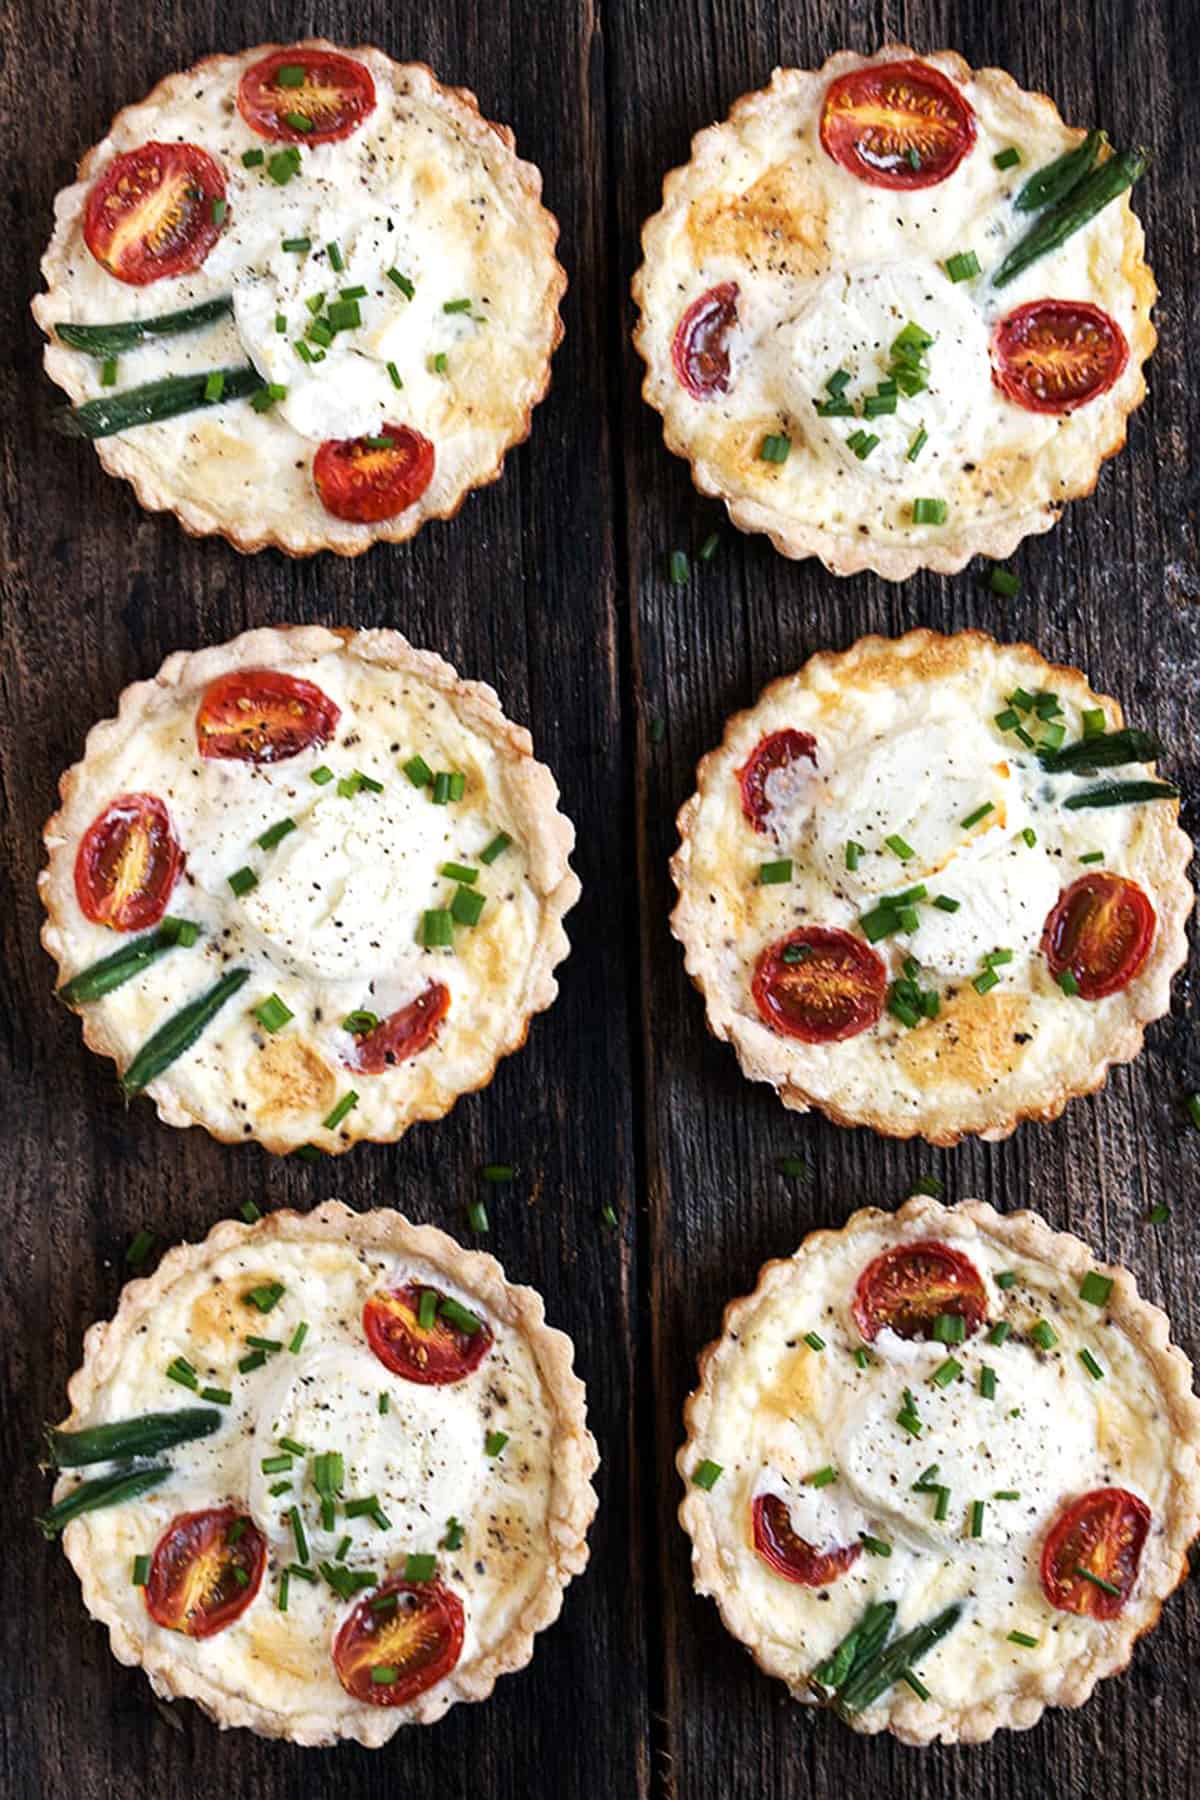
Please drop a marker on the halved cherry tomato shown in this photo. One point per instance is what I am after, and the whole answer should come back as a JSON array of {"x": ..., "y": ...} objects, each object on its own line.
[
  {"x": 906, "y": 1288},
  {"x": 367, "y": 479},
  {"x": 819, "y": 985},
  {"x": 127, "y": 863},
  {"x": 1102, "y": 1532},
  {"x": 302, "y": 96},
  {"x": 1052, "y": 356},
  {"x": 432, "y": 1357},
  {"x": 261, "y": 716},
  {"x": 897, "y": 125},
  {"x": 1101, "y": 930},
  {"x": 778, "y": 751},
  {"x": 205, "y": 1571},
  {"x": 700, "y": 349},
  {"x": 386, "y": 1656},
  {"x": 405, "y": 1033},
  {"x": 789, "y": 1555},
  {"x": 155, "y": 211}
]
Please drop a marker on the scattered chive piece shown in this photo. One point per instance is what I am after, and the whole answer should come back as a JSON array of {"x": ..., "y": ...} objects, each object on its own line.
[
  {"x": 1068, "y": 983},
  {"x": 437, "y": 364},
  {"x": 346, "y": 1104},
  {"x": 477, "y": 1217},
  {"x": 494, "y": 1442},
  {"x": 1006, "y": 720},
  {"x": 917, "y": 445},
  {"x": 275, "y": 1465},
  {"x": 290, "y": 1445},
  {"x": 498, "y": 844},
  {"x": 108, "y": 375},
  {"x": 272, "y": 1014},
  {"x": 242, "y": 881},
  {"x": 217, "y": 1396},
  {"x": 862, "y": 1357},
  {"x": 321, "y": 776},
  {"x": 360, "y": 1022},
  {"x": 775, "y": 448},
  {"x": 1000, "y": 1330},
  {"x": 139, "y": 1248},
  {"x": 454, "y": 1535},
  {"x": 708, "y": 548},
  {"x": 1044, "y": 1335},
  {"x": 285, "y": 1582},
  {"x": 980, "y": 812},
  {"x": 271, "y": 1346},
  {"x": 898, "y": 847},
  {"x": 913, "y": 157},
  {"x": 946, "y": 904},
  {"x": 280, "y": 1487},
  {"x": 874, "y": 1546},
  {"x": 1008, "y": 159},
  {"x": 928, "y": 1184},
  {"x": 946, "y": 1372},
  {"x": 909, "y": 1420},
  {"x": 297, "y": 1524},
  {"x": 608, "y": 1218},
  {"x": 1108, "y": 1587},
  {"x": 987, "y": 1382},
  {"x": 250, "y": 1212},
  {"x": 1023, "y": 1638},
  {"x": 427, "y": 1308},
  {"x": 459, "y": 872},
  {"x": 706, "y": 1474},
  {"x": 300, "y": 1574},
  {"x": 821, "y": 1477},
  {"x": 296, "y": 246},
  {"x": 877, "y": 406},
  {"x": 976, "y": 1520},
  {"x": 419, "y": 1565},
  {"x": 291, "y": 75},
  {"x": 402, "y": 282},
  {"x": 335, "y": 257},
  {"x": 984, "y": 983},
  {"x": 1093, "y": 856},
  {"x": 437, "y": 929},
  {"x": 814, "y": 1341},
  {"x": 1004, "y": 582},
  {"x": 180, "y": 1369},
  {"x": 283, "y": 165},
  {"x": 498, "y": 1172},
  {"x": 926, "y": 1478},
  {"x": 862, "y": 443},
  {"x": 1029, "y": 835},
  {"x": 929, "y": 512},
  {"x": 679, "y": 568},
  {"x": 275, "y": 834},
  {"x": 794, "y": 1167},
  {"x": 942, "y": 1506},
  {"x": 418, "y": 771},
  {"x": 854, "y": 852},
  {"x": 254, "y": 1360},
  {"x": 1007, "y": 1278},
  {"x": 1093, "y": 721},
  {"x": 1090, "y": 1364},
  {"x": 772, "y": 874},
  {"x": 459, "y": 1316},
  {"x": 1006, "y": 1494},
  {"x": 141, "y": 1571},
  {"x": 441, "y": 788},
  {"x": 384, "y": 1402},
  {"x": 394, "y": 372},
  {"x": 265, "y": 1296},
  {"x": 1095, "y": 1288},
  {"x": 1158, "y": 1215},
  {"x": 252, "y": 159},
  {"x": 383, "y": 1675},
  {"x": 949, "y": 1328},
  {"x": 467, "y": 905},
  {"x": 962, "y": 266}
]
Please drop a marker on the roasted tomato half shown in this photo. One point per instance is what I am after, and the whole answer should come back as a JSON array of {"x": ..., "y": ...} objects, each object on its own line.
[
  {"x": 127, "y": 863},
  {"x": 433, "y": 1353},
  {"x": 205, "y": 1571},
  {"x": 789, "y": 1555},
  {"x": 1100, "y": 930},
  {"x": 403, "y": 1034},
  {"x": 261, "y": 716},
  {"x": 819, "y": 985},
  {"x": 305, "y": 96},
  {"x": 155, "y": 211},
  {"x": 906, "y": 1288},
  {"x": 1090, "y": 1558},
  {"x": 774, "y": 755},
  {"x": 387, "y": 1655},
  {"x": 1053, "y": 356},
  {"x": 700, "y": 348},
  {"x": 366, "y": 479},
  {"x": 897, "y": 125}
]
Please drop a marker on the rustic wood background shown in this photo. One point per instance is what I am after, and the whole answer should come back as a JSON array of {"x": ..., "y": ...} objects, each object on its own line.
[{"x": 553, "y": 586}]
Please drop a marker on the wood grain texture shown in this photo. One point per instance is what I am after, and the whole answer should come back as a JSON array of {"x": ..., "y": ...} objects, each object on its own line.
[{"x": 553, "y": 586}]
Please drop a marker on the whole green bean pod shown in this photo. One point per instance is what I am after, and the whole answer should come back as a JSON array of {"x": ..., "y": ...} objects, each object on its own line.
[
  {"x": 146, "y": 1435},
  {"x": 1121, "y": 793},
  {"x": 868, "y": 1636},
  {"x": 883, "y": 1670},
  {"x": 1104, "y": 750},
  {"x": 179, "y": 1033},
  {"x": 1055, "y": 180},
  {"x": 156, "y": 400},
  {"x": 100, "y": 978},
  {"x": 1058, "y": 223},
  {"x": 125, "y": 334},
  {"x": 106, "y": 1490}
]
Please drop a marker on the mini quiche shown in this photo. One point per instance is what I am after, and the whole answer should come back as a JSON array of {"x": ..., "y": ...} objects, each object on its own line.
[
  {"x": 325, "y": 1475},
  {"x": 941, "y": 1470},
  {"x": 895, "y": 312},
  {"x": 303, "y": 297},
  {"x": 931, "y": 885},
  {"x": 307, "y": 887}
]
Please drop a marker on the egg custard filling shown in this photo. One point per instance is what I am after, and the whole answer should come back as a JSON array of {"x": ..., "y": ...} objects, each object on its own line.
[
  {"x": 303, "y": 296},
  {"x": 308, "y": 887},
  {"x": 933, "y": 885},
  {"x": 941, "y": 1470},
  {"x": 325, "y": 1475},
  {"x": 895, "y": 311}
]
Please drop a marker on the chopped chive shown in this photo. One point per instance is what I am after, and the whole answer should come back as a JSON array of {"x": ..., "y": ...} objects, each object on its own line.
[
  {"x": 877, "y": 406},
  {"x": 838, "y": 382},
  {"x": 963, "y": 266},
  {"x": 419, "y": 1565},
  {"x": 862, "y": 1357},
  {"x": 437, "y": 928},
  {"x": 360, "y": 1022},
  {"x": 281, "y": 324},
  {"x": 427, "y": 1308},
  {"x": 441, "y": 788},
  {"x": 773, "y": 874},
  {"x": 275, "y": 834},
  {"x": 983, "y": 984},
  {"x": 322, "y": 776},
  {"x": 498, "y": 844},
  {"x": 999, "y": 1332},
  {"x": 354, "y": 293},
  {"x": 1003, "y": 582},
  {"x": 402, "y": 282},
  {"x": 708, "y": 548},
  {"x": 874, "y": 1546},
  {"x": 705, "y": 1475},
  {"x": 271, "y": 1346},
  {"x": 494, "y": 1442},
  {"x": 862, "y": 443},
  {"x": 265, "y": 1296},
  {"x": 285, "y": 1582},
  {"x": 296, "y": 246},
  {"x": 1090, "y": 1364},
  {"x": 821, "y": 1477},
  {"x": 1023, "y": 1638},
  {"x": 254, "y": 1360},
  {"x": 394, "y": 373},
  {"x": 459, "y": 1316},
  {"x": 477, "y": 1218},
  {"x": 679, "y": 568},
  {"x": 775, "y": 448},
  {"x": 384, "y": 1402},
  {"x": 946, "y": 904},
  {"x": 1029, "y": 835},
  {"x": 297, "y": 1525},
  {"x": 1006, "y": 720},
  {"x": 942, "y": 1505},
  {"x": 252, "y": 159},
  {"x": 346, "y": 1104},
  {"x": 946, "y": 1372},
  {"x": 1006, "y": 1494},
  {"x": 275, "y": 1465},
  {"x": 1093, "y": 721},
  {"x": 1095, "y": 1288},
  {"x": 976, "y": 1518},
  {"x": 917, "y": 445},
  {"x": 926, "y": 1478},
  {"x": 141, "y": 1571},
  {"x": 909, "y": 1420},
  {"x": 250, "y": 1212},
  {"x": 1093, "y": 856},
  {"x": 280, "y": 1487},
  {"x": 1107, "y": 1587},
  {"x": 272, "y": 1014},
  {"x": 898, "y": 847},
  {"x": 214, "y": 385},
  {"x": 454, "y": 1535},
  {"x": 335, "y": 257},
  {"x": 467, "y": 906},
  {"x": 298, "y": 1573},
  {"x": 180, "y": 1369},
  {"x": 418, "y": 771},
  {"x": 949, "y": 1328},
  {"x": 1008, "y": 159},
  {"x": 344, "y": 315},
  {"x": 1044, "y": 1335},
  {"x": 814, "y": 1341},
  {"x": 383, "y": 1675},
  {"x": 928, "y": 1184},
  {"x": 283, "y": 165},
  {"x": 980, "y": 812},
  {"x": 140, "y": 1247},
  {"x": 498, "y": 1172},
  {"x": 854, "y": 853},
  {"x": 913, "y": 157},
  {"x": 794, "y": 1167},
  {"x": 987, "y": 1382},
  {"x": 437, "y": 364},
  {"x": 242, "y": 881},
  {"x": 1068, "y": 983},
  {"x": 1007, "y": 1278},
  {"x": 929, "y": 512},
  {"x": 1158, "y": 1215},
  {"x": 608, "y": 1218}
]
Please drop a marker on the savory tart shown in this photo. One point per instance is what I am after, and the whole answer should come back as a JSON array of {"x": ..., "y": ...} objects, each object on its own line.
[
  {"x": 303, "y": 297},
  {"x": 932, "y": 885},
  {"x": 942, "y": 1470},
  {"x": 895, "y": 312},
  {"x": 325, "y": 1475},
  {"x": 307, "y": 887}
]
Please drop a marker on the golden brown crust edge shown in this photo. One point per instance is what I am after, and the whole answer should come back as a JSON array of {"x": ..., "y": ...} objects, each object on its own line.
[
  {"x": 852, "y": 555},
  {"x": 572, "y": 1502},
  {"x": 1165, "y": 1563},
  {"x": 198, "y": 521},
  {"x": 1174, "y": 902},
  {"x": 548, "y": 834}
]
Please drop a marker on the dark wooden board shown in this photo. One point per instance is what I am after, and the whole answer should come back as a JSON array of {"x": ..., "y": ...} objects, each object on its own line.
[{"x": 553, "y": 586}]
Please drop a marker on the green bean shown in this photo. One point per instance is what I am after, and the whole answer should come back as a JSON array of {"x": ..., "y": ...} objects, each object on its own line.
[
  {"x": 1121, "y": 793},
  {"x": 1106, "y": 750},
  {"x": 156, "y": 400},
  {"x": 144, "y": 1436},
  {"x": 867, "y": 1637},
  {"x": 100, "y": 978},
  {"x": 108, "y": 1490},
  {"x": 885, "y": 1668},
  {"x": 1055, "y": 180},
  {"x": 1058, "y": 223},
  {"x": 111, "y": 340},
  {"x": 179, "y": 1033}
]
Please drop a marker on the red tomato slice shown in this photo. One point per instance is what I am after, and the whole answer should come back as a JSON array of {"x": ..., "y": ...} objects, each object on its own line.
[
  {"x": 819, "y": 985},
  {"x": 432, "y": 1357},
  {"x": 155, "y": 212},
  {"x": 1053, "y": 356},
  {"x": 127, "y": 863},
  {"x": 700, "y": 349},
  {"x": 897, "y": 125},
  {"x": 365, "y": 479},
  {"x": 405, "y": 1033},
  {"x": 778, "y": 751},
  {"x": 1101, "y": 930},
  {"x": 906, "y": 1288},
  {"x": 387, "y": 1656},
  {"x": 789, "y": 1555},
  {"x": 1102, "y": 1532},
  {"x": 261, "y": 716},
  {"x": 203, "y": 1576},
  {"x": 302, "y": 96}
]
